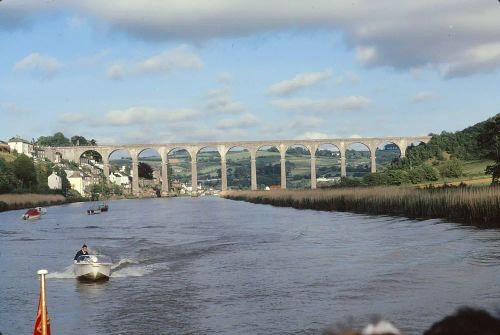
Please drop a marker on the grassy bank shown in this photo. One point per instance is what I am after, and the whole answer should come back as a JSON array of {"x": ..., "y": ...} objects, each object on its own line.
[
  {"x": 479, "y": 205},
  {"x": 28, "y": 200}
]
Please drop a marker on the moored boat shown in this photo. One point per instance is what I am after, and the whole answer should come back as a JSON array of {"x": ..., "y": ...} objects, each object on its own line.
[
  {"x": 92, "y": 211},
  {"x": 31, "y": 214},
  {"x": 42, "y": 210},
  {"x": 103, "y": 207},
  {"x": 92, "y": 268}
]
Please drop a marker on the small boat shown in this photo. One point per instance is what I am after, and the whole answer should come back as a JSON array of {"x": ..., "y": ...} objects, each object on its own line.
[
  {"x": 31, "y": 214},
  {"x": 42, "y": 210},
  {"x": 92, "y": 268},
  {"x": 103, "y": 207},
  {"x": 92, "y": 211}
]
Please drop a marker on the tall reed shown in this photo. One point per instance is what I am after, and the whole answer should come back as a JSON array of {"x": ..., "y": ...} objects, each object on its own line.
[
  {"x": 26, "y": 200},
  {"x": 472, "y": 205}
]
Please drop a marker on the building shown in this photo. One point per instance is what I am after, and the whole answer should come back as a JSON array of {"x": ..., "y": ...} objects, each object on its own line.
[
  {"x": 4, "y": 146},
  {"x": 54, "y": 181},
  {"x": 79, "y": 181},
  {"x": 119, "y": 178},
  {"x": 21, "y": 146}
]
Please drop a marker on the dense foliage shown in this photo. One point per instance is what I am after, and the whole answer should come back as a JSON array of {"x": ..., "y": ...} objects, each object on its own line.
[
  {"x": 443, "y": 156},
  {"x": 23, "y": 175},
  {"x": 59, "y": 140}
]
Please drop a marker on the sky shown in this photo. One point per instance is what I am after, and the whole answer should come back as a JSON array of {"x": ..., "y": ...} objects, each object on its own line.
[{"x": 162, "y": 71}]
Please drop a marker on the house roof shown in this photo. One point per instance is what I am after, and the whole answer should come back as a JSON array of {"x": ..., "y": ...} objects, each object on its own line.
[
  {"x": 75, "y": 174},
  {"x": 18, "y": 139}
]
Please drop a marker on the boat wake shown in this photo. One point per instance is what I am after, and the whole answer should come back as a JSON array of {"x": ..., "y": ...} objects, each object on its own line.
[
  {"x": 124, "y": 268},
  {"x": 128, "y": 268},
  {"x": 67, "y": 273}
]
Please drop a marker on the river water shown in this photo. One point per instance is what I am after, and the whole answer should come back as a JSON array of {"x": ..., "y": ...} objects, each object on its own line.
[{"x": 214, "y": 266}]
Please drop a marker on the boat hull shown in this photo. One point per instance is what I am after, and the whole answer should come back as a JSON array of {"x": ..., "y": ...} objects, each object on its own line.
[
  {"x": 31, "y": 217},
  {"x": 92, "y": 272}
]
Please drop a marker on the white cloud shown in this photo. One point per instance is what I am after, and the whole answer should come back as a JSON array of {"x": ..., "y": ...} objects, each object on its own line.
[
  {"x": 382, "y": 33},
  {"x": 45, "y": 67},
  {"x": 75, "y": 22},
  {"x": 170, "y": 60},
  {"x": 299, "y": 82},
  {"x": 12, "y": 108},
  {"x": 95, "y": 58},
  {"x": 225, "y": 78},
  {"x": 220, "y": 102},
  {"x": 134, "y": 116},
  {"x": 347, "y": 78},
  {"x": 73, "y": 117},
  {"x": 244, "y": 122},
  {"x": 422, "y": 96},
  {"x": 324, "y": 105},
  {"x": 366, "y": 55},
  {"x": 479, "y": 59},
  {"x": 179, "y": 58},
  {"x": 314, "y": 135},
  {"x": 115, "y": 71}
]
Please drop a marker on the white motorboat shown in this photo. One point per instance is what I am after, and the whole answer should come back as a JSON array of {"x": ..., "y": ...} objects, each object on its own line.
[
  {"x": 42, "y": 210},
  {"x": 92, "y": 268},
  {"x": 31, "y": 214}
]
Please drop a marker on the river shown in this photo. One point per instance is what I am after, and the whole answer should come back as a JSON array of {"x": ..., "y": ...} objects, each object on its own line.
[{"x": 214, "y": 266}]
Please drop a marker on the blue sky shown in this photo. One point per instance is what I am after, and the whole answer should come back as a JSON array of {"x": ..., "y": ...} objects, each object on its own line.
[{"x": 163, "y": 71}]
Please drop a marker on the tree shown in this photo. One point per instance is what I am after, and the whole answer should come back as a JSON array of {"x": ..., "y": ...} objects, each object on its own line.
[
  {"x": 79, "y": 140},
  {"x": 57, "y": 140},
  {"x": 24, "y": 170},
  {"x": 65, "y": 185},
  {"x": 7, "y": 177},
  {"x": 145, "y": 171},
  {"x": 490, "y": 142},
  {"x": 451, "y": 169}
]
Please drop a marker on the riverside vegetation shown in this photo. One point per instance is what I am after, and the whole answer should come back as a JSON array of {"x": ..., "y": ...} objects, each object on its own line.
[
  {"x": 479, "y": 205},
  {"x": 443, "y": 156},
  {"x": 449, "y": 157}
]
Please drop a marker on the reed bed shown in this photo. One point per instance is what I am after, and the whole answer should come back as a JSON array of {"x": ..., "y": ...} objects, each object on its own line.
[
  {"x": 479, "y": 205},
  {"x": 27, "y": 200}
]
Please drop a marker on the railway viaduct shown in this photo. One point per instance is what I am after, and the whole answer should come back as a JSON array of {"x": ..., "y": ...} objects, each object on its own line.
[{"x": 74, "y": 153}]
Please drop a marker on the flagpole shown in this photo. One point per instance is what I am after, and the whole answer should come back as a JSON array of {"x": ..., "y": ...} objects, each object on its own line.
[{"x": 43, "y": 304}]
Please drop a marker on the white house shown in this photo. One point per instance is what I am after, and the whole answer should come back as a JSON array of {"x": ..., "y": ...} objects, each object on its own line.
[
  {"x": 79, "y": 181},
  {"x": 119, "y": 178},
  {"x": 54, "y": 181},
  {"x": 21, "y": 146}
]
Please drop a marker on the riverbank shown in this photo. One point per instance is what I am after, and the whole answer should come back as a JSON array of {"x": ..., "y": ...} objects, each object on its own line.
[
  {"x": 28, "y": 200},
  {"x": 477, "y": 205}
]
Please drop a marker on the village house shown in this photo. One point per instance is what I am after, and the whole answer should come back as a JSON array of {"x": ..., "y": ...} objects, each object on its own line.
[
  {"x": 54, "y": 181},
  {"x": 21, "y": 146},
  {"x": 4, "y": 146},
  {"x": 120, "y": 179},
  {"x": 79, "y": 181}
]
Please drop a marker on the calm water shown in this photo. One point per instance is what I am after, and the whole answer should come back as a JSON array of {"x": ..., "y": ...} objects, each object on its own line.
[{"x": 214, "y": 266}]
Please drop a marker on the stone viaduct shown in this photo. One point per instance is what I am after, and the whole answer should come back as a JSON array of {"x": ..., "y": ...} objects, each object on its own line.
[{"x": 74, "y": 153}]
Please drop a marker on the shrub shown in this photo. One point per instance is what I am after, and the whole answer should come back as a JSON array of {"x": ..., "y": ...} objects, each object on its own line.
[
  {"x": 3, "y": 206},
  {"x": 451, "y": 169}
]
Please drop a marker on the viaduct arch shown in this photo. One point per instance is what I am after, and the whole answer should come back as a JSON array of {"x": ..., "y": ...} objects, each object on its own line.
[{"x": 73, "y": 154}]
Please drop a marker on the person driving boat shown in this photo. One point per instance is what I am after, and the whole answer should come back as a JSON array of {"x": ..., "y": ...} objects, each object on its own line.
[{"x": 81, "y": 252}]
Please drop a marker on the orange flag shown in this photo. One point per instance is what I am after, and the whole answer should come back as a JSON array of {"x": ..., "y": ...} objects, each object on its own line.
[{"x": 38, "y": 320}]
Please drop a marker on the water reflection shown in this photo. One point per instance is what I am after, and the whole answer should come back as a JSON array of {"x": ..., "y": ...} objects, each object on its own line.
[{"x": 216, "y": 266}]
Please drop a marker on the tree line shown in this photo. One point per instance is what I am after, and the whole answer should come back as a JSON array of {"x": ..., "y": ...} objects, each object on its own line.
[
  {"x": 24, "y": 175},
  {"x": 59, "y": 140},
  {"x": 443, "y": 156}
]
